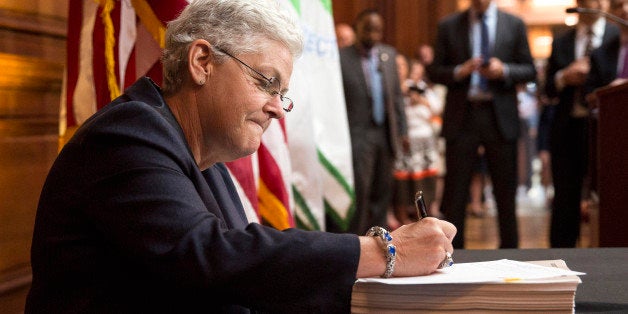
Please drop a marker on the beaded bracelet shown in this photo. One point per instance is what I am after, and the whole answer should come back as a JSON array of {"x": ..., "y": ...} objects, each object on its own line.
[{"x": 389, "y": 249}]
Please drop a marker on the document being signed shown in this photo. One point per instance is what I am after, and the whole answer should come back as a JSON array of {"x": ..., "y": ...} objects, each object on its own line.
[
  {"x": 491, "y": 271},
  {"x": 483, "y": 287}
]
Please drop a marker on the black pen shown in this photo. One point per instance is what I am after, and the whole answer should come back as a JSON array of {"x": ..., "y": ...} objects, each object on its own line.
[{"x": 419, "y": 202}]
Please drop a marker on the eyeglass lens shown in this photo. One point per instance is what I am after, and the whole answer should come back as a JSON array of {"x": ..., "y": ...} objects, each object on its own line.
[{"x": 273, "y": 87}]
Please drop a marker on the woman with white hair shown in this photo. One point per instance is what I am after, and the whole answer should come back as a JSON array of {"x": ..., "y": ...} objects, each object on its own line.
[{"x": 138, "y": 213}]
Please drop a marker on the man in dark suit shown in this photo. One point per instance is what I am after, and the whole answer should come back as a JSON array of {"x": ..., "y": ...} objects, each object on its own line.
[
  {"x": 481, "y": 54},
  {"x": 606, "y": 65},
  {"x": 377, "y": 121},
  {"x": 567, "y": 69}
]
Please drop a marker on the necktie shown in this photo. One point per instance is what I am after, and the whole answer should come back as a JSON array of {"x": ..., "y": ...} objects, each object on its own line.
[
  {"x": 484, "y": 48},
  {"x": 589, "y": 45},
  {"x": 624, "y": 71},
  {"x": 376, "y": 89},
  {"x": 579, "y": 109}
]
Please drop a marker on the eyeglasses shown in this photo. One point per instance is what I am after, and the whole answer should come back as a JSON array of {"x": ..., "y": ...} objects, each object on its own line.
[{"x": 271, "y": 85}]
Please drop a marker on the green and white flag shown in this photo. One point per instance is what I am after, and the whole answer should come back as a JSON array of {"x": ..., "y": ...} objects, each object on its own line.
[{"x": 317, "y": 129}]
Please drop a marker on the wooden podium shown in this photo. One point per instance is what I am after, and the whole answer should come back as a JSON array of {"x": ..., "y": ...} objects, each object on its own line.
[{"x": 612, "y": 165}]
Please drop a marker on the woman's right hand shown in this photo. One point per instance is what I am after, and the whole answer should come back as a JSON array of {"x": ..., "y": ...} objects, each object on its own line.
[{"x": 422, "y": 246}]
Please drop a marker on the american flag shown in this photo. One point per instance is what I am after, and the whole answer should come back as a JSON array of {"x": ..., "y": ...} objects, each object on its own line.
[{"x": 111, "y": 43}]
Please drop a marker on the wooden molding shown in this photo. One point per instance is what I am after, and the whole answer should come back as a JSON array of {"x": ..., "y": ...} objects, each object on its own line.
[
  {"x": 14, "y": 280},
  {"x": 21, "y": 72},
  {"x": 33, "y": 23}
]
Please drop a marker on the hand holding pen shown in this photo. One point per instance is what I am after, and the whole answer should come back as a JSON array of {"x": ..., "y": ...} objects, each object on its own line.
[{"x": 421, "y": 208}]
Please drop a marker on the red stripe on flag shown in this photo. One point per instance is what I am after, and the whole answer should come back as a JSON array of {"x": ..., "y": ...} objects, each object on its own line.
[
  {"x": 271, "y": 175},
  {"x": 167, "y": 10},
  {"x": 156, "y": 73}
]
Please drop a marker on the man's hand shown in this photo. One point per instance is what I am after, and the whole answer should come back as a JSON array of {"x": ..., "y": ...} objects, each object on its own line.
[
  {"x": 465, "y": 69},
  {"x": 576, "y": 73},
  {"x": 493, "y": 70}
]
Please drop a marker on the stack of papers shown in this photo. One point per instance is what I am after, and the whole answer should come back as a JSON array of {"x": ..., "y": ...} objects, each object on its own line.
[{"x": 483, "y": 287}]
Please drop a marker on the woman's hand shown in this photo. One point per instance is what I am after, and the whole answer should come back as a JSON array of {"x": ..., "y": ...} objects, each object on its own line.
[{"x": 420, "y": 248}]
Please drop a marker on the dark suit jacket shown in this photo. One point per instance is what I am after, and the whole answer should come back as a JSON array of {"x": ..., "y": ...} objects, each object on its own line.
[
  {"x": 358, "y": 98},
  {"x": 453, "y": 47},
  {"x": 127, "y": 223},
  {"x": 563, "y": 54},
  {"x": 604, "y": 62}
]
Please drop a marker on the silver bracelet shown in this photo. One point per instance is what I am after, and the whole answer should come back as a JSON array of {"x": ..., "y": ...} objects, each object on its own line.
[{"x": 389, "y": 249}]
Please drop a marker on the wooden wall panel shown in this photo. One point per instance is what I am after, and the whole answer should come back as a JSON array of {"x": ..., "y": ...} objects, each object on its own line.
[
  {"x": 32, "y": 58},
  {"x": 409, "y": 23}
]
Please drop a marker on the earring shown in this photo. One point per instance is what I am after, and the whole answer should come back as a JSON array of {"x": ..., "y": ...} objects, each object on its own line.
[{"x": 201, "y": 81}]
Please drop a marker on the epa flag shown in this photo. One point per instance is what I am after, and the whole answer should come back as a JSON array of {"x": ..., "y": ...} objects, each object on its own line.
[{"x": 318, "y": 131}]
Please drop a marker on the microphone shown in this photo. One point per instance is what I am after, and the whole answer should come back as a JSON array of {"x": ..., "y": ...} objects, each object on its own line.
[
  {"x": 574, "y": 10},
  {"x": 615, "y": 18}
]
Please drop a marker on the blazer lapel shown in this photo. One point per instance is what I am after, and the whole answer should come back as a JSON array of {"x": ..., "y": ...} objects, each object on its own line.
[
  {"x": 356, "y": 60},
  {"x": 571, "y": 50},
  {"x": 501, "y": 37},
  {"x": 609, "y": 33},
  {"x": 465, "y": 31},
  {"x": 219, "y": 195},
  {"x": 385, "y": 68},
  {"x": 223, "y": 197},
  {"x": 499, "y": 25}
]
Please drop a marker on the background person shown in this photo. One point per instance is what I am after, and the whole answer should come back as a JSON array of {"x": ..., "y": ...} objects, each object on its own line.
[
  {"x": 139, "y": 214},
  {"x": 424, "y": 125},
  {"x": 425, "y": 55},
  {"x": 345, "y": 35},
  {"x": 480, "y": 55},
  {"x": 377, "y": 122},
  {"x": 609, "y": 63},
  {"x": 567, "y": 70},
  {"x": 419, "y": 167}
]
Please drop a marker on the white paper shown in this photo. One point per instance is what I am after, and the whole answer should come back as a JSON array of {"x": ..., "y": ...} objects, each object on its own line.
[{"x": 491, "y": 271}]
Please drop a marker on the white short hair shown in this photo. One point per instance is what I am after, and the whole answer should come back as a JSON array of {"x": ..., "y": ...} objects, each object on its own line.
[{"x": 236, "y": 26}]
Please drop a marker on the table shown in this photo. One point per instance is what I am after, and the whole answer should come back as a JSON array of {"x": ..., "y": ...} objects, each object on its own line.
[{"x": 604, "y": 288}]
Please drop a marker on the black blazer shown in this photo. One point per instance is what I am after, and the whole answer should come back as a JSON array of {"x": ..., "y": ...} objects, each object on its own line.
[
  {"x": 453, "y": 47},
  {"x": 563, "y": 54},
  {"x": 127, "y": 223},
  {"x": 604, "y": 61}
]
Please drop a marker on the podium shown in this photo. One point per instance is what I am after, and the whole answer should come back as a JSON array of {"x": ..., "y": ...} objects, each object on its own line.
[{"x": 612, "y": 165}]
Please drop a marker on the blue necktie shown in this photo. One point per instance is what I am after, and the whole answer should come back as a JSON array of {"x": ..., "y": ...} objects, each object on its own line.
[
  {"x": 484, "y": 48},
  {"x": 376, "y": 89}
]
